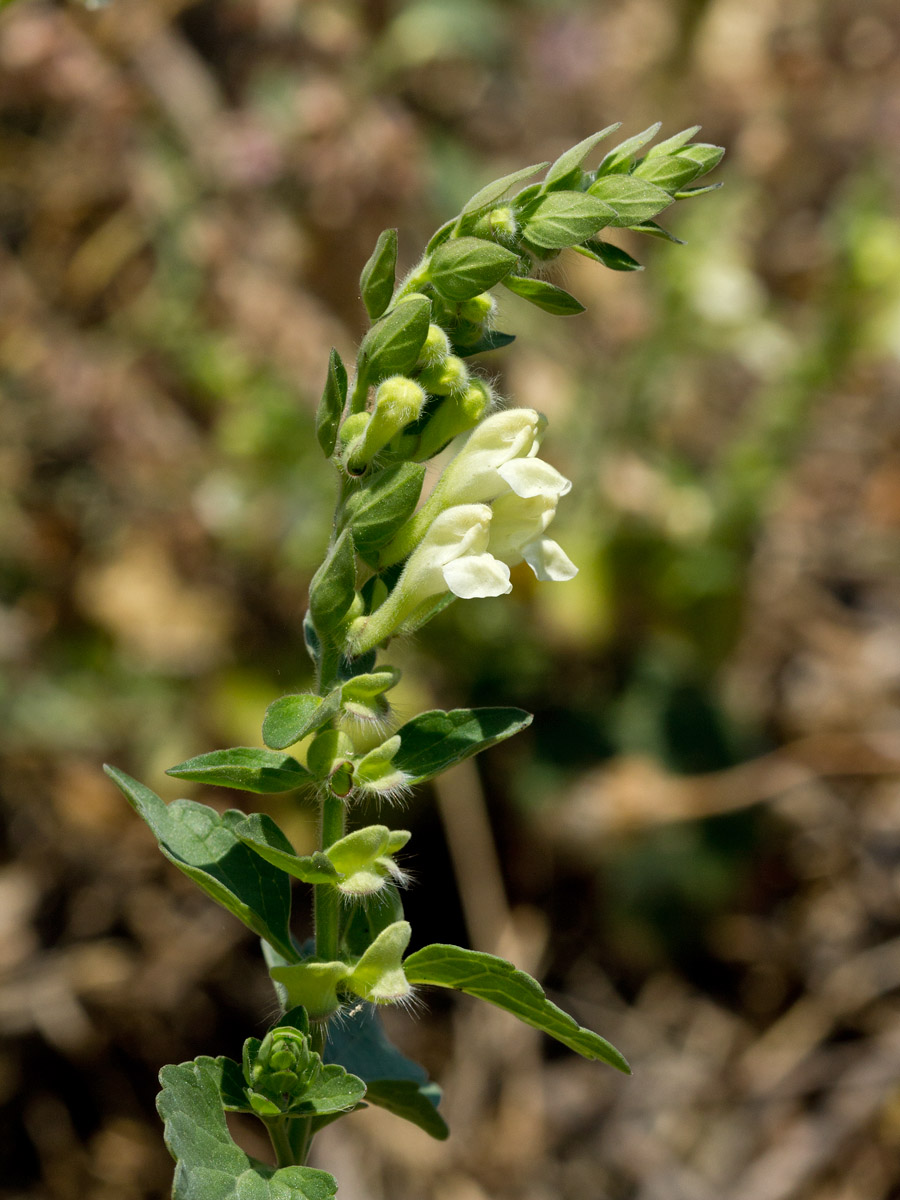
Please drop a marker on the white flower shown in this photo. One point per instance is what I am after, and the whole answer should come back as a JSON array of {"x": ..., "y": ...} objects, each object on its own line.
[
  {"x": 499, "y": 456},
  {"x": 517, "y": 533},
  {"x": 473, "y": 476},
  {"x": 451, "y": 557}
]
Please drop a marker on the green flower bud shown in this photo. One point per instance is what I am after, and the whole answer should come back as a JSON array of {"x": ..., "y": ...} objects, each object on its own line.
[
  {"x": 330, "y": 751},
  {"x": 448, "y": 378},
  {"x": 502, "y": 223},
  {"x": 279, "y": 1071},
  {"x": 436, "y": 347},
  {"x": 398, "y": 402},
  {"x": 354, "y": 427},
  {"x": 479, "y": 309},
  {"x": 456, "y": 415}
]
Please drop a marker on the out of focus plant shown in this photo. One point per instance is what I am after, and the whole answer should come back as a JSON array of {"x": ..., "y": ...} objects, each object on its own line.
[{"x": 392, "y": 565}]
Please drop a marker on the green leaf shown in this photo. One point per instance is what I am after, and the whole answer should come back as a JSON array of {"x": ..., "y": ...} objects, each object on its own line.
[
  {"x": 248, "y": 768},
  {"x": 202, "y": 844},
  {"x": 393, "y": 1081},
  {"x": 653, "y": 230},
  {"x": 333, "y": 586},
  {"x": 548, "y": 296},
  {"x": 673, "y": 143},
  {"x": 464, "y": 267},
  {"x": 689, "y": 193},
  {"x": 440, "y": 236},
  {"x": 499, "y": 982},
  {"x": 260, "y": 833},
  {"x": 491, "y": 339},
  {"x": 611, "y": 256},
  {"x": 620, "y": 157},
  {"x": 566, "y": 171},
  {"x": 564, "y": 218},
  {"x": 676, "y": 170},
  {"x": 376, "y": 283},
  {"x": 230, "y": 1079},
  {"x": 494, "y": 191},
  {"x": 210, "y": 1165},
  {"x": 434, "y": 741},
  {"x": 291, "y": 718},
  {"x": 630, "y": 199},
  {"x": 331, "y": 406},
  {"x": 383, "y": 503},
  {"x": 392, "y": 345}
]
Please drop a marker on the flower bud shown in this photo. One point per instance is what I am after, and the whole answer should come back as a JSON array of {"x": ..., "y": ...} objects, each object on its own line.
[
  {"x": 447, "y": 378},
  {"x": 479, "y": 309},
  {"x": 502, "y": 223},
  {"x": 398, "y": 402},
  {"x": 455, "y": 415},
  {"x": 436, "y": 347},
  {"x": 279, "y": 1071}
]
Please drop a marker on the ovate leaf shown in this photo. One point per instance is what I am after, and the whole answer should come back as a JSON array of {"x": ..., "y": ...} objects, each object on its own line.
[
  {"x": 494, "y": 191},
  {"x": 436, "y": 740},
  {"x": 566, "y": 171},
  {"x": 245, "y": 767},
  {"x": 489, "y": 339},
  {"x": 393, "y": 1081},
  {"x": 500, "y": 983},
  {"x": 630, "y": 198},
  {"x": 210, "y": 1165},
  {"x": 382, "y": 504},
  {"x": 202, "y": 844},
  {"x": 611, "y": 256},
  {"x": 463, "y": 267},
  {"x": 393, "y": 343},
  {"x": 545, "y": 295},
  {"x": 653, "y": 230},
  {"x": 620, "y": 158},
  {"x": 331, "y": 406},
  {"x": 262, "y": 835},
  {"x": 290, "y": 718},
  {"x": 565, "y": 218},
  {"x": 673, "y": 143},
  {"x": 376, "y": 283},
  {"x": 333, "y": 586}
]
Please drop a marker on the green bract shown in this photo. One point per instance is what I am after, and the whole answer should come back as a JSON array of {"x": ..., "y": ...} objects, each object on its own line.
[{"x": 394, "y": 561}]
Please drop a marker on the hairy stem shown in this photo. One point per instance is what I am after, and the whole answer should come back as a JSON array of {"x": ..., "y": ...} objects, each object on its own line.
[{"x": 327, "y": 901}]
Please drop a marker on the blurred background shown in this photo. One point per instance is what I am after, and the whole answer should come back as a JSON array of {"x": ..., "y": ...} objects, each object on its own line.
[{"x": 697, "y": 844}]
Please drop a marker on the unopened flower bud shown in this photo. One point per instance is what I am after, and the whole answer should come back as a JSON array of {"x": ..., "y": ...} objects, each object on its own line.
[
  {"x": 447, "y": 378},
  {"x": 502, "y": 222},
  {"x": 436, "y": 347},
  {"x": 455, "y": 415},
  {"x": 398, "y": 401},
  {"x": 479, "y": 309},
  {"x": 279, "y": 1071}
]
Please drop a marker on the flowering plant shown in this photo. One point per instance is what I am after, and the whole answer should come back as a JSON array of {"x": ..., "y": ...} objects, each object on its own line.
[{"x": 392, "y": 565}]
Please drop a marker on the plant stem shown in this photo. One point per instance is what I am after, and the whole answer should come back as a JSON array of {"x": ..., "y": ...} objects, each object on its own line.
[
  {"x": 279, "y": 1134},
  {"x": 300, "y": 1133},
  {"x": 326, "y": 899}
]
